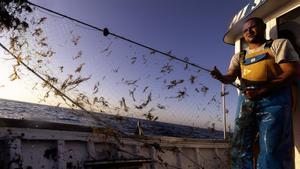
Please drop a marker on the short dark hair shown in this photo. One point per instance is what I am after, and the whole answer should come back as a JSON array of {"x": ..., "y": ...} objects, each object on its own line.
[{"x": 258, "y": 21}]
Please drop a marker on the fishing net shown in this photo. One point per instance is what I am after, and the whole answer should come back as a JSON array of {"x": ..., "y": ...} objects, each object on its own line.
[{"x": 108, "y": 75}]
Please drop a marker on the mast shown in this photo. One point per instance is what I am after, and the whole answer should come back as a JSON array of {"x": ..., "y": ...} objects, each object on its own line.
[{"x": 223, "y": 94}]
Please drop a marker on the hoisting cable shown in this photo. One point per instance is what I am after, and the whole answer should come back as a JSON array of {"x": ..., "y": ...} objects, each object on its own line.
[
  {"x": 106, "y": 32},
  {"x": 107, "y": 126}
]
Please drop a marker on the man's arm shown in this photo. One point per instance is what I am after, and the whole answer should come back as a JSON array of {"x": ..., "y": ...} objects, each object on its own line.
[
  {"x": 287, "y": 75},
  {"x": 229, "y": 77}
]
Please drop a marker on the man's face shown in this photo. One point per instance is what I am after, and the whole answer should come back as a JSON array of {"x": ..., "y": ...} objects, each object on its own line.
[{"x": 253, "y": 32}]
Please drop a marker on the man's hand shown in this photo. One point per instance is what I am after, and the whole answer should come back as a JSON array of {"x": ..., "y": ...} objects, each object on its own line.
[
  {"x": 255, "y": 93},
  {"x": 227, "y": 78},
  {"x": 215, "y": 73}
]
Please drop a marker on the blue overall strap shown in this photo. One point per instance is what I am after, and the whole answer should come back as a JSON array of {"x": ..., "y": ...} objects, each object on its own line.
[{"x": 255, "y": 59}]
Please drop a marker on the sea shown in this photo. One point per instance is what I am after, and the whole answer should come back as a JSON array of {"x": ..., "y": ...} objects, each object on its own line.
[{"x": 10, "y": 109}]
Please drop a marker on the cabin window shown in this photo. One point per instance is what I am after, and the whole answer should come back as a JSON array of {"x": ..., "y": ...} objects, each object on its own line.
[{"x": 288, "y": 26}]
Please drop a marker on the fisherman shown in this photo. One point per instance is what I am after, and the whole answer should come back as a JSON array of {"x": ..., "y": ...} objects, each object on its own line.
[{"x": 265, "y": 69}]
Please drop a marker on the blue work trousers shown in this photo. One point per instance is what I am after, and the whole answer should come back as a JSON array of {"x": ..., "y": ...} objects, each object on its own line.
[{"x": 267, "y": 119}]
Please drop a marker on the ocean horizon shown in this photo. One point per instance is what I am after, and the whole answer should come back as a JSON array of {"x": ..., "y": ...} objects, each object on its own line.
[{"x": 10, "y": 109}]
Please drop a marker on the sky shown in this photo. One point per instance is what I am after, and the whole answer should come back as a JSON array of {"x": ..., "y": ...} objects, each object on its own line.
[{"x": 190, "y": 28}]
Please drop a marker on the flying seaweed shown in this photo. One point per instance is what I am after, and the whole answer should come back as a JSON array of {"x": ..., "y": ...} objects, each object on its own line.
[
  {"x": 37, "y": 32},
  {"x": 49, "y": 80},
  {"x": 116, "y": 70},
  {"x": 75, "y": 40},
  {"x": 204, "y": 89},
  {"x": 150, "y": 116},
  {"x": 145, "y": 89},
  {"x": 15, "y": 74},
  {"x": 143, "y": 105},
  {"x": 83, "y": 98},
  {"x": 34, "y": 86},
  {"x": 71, "y": 84},
  {"x": 193, "y": 79},
  {"x": 186, "y": 59},
  {"x": 43, "y": 42},
  {"x": 107, "y": 48},
  {"x": 181, "y": 94},
  {"x": 157, "y": 78},
  {"x": 61, "y": 68},
  {"x": 47, "y": 53},
  {"x": 78, "y": 55},
  {"x": 96, "y": 88},
  {"x": 100, "y": 100},
  {"x": 174, "y": 83},
  {"x": 41, "y": 20},
  {"x": 212, "y": 100},
  {"x": 161, "y": 106},
  {"x": 123, "y": 104},
  {"x": 144, "y": 59},
  {"x": 130, "y": 82},
  {"x": 133, "y": 60},
  {"x": 169, "y": 52},
  {"x": 152, "y": 52},
  {"x": 131, "y": 93},
  {"x": 78, "y": 69},
  {"x": 167, "y": 68}
]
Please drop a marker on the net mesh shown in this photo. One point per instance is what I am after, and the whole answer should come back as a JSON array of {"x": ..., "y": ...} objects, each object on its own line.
[{"x": 105, "y": 74}]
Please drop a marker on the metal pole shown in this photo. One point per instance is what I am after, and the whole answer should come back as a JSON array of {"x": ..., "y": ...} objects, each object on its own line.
[{"x": 224, "y": 111}]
